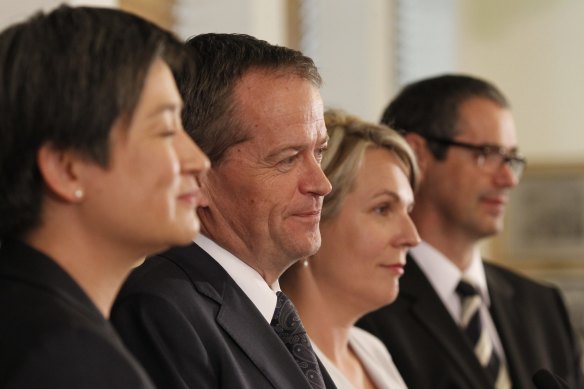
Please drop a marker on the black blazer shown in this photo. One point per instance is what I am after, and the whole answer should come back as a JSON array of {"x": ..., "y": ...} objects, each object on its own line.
[
  {"x": 431, "y": 351},
  {"x": 51, "y": 333},
  {"x": 191, "y": 326}
]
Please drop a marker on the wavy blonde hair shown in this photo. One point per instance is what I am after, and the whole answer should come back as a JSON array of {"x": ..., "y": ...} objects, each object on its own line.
[{"x": 349, "y": 138}]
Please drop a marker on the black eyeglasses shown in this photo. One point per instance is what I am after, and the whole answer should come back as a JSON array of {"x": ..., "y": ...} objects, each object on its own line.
[{"x": 488, "y": 157}]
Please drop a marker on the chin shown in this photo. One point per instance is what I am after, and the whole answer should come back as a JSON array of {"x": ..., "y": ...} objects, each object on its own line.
[
  {"x": 185, "y": 235},
  {"x": 380, "y": 300},
  {"x": 303, "y": 248}
]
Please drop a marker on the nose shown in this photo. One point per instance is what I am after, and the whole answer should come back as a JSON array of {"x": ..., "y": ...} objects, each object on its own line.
[
  {"x": 504, "y": 177},
  {"x": 409, "y": 233},
  {"x": 192, "y": 159},
  {"x": 315, "y": 181}
]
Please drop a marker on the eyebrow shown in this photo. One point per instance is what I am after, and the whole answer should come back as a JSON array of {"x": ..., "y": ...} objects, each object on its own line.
[
  {"x": 394, "y": 196},
  {"x": 165, "y": 107},
  {"x": 295, "y": 148}
]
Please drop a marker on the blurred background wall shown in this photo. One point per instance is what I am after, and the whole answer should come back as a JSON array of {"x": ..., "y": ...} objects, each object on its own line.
[{"x": 367, "y": 49}]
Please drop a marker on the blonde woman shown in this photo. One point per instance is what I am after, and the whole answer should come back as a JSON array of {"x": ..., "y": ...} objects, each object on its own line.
[{"x": 366, "y": 230}]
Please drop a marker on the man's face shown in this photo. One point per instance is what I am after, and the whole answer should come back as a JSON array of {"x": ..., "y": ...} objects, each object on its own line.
[
  {"x": 266, "y": 194},
  {"x": 467, "y": 200}
]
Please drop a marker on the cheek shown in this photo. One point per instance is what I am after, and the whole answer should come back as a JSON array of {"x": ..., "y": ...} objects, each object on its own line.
[
  {"x": 157, "y": 171},
  {"x": 353, "y": 245},
  {"x": 373, "y": 239}
]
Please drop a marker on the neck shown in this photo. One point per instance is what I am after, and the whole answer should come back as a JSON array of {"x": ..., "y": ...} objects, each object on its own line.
[
  {"x": 98, "y": 268},
  {"x": 327, "y": 322},
  {"x": 269, "y": 267},
  {"x": 321, "y": 316},
  {"x": 455, "y": 244}
]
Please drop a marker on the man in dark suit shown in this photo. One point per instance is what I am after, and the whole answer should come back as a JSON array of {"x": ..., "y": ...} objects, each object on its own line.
[
  {"x": 200, "y": 316},
  {"x": 495, "y": 328}
]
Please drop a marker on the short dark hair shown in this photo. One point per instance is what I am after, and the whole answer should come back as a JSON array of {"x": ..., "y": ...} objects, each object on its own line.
[
  {"x": 67, "y": 76},
  {"x": 430, "y": 107},
  {"x": 219, "y": 61}
]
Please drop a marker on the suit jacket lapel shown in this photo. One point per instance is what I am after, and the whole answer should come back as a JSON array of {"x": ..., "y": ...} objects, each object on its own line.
[
  {"x": 240, "y": 318},
  {"x": 243, "y": 322},
  {"x": 428, "y": 309},
  {"x": 507, "y": 321}
]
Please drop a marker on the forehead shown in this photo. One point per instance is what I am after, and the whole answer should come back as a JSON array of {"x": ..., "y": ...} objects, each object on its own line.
[
  {"x": 158, "y": 93},
  {"x": 278, "y": 108},
  {"x": 381, "y": 171},
  {"x": 481, "y": 120}
]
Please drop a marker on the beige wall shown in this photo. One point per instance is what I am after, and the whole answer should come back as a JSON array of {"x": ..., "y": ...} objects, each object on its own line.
[
  {"x": 533, "y": 50},
  {"x": 12, "y": 11}
]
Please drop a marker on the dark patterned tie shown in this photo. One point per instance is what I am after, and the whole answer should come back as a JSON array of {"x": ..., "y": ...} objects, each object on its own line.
[
  {"x": 478, "y": 335},
  {"x": 288, "y": 326}
]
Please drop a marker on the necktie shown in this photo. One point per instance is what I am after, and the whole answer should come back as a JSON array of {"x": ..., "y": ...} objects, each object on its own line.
[
  {"x": 288, "y": 326},
  {"x": 483, "y": 346}
]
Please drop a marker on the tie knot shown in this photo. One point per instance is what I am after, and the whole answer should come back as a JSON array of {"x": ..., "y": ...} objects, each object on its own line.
[
  {"x": 286, "y": 320},
  {"x": 466, "y": 289}
]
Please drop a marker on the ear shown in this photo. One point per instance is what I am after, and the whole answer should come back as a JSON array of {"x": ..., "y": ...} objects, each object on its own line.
[
  {"x": 60, "y": 171},
  {"x": 418, "y": 144}
]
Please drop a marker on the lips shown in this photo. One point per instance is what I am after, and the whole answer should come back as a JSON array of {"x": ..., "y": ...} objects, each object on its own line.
[
  {"x": 397, "y": 268},
  {"x": 310, "y": 213},
  {"x": 192, "y": 197},
  {"x": 495, "y": 200}
]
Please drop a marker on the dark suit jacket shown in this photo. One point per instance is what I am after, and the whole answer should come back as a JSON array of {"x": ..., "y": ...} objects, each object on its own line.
[
  {"x": 191, "y": 326},
  {"x": 51, "y": 334},
  {"x": 431, "y": 351}
]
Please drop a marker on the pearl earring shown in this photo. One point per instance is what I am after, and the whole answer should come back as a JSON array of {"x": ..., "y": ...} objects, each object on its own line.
[
  {"x": 305, "y": 262},
  {"x": 78, "y": 193}
]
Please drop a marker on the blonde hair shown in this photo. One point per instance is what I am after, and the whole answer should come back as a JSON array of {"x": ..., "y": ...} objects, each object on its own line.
[{"x": 349, "y": 138}]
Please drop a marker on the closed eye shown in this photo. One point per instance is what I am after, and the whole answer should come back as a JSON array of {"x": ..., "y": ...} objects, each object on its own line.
[
  {"x": 320, "y": 153},
  {"x": 169, "y": 132},
  {"x": 289, "y": 160}
]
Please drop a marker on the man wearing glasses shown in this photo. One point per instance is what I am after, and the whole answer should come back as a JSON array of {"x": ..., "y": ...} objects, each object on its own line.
[{"x": 460, "y": 322}]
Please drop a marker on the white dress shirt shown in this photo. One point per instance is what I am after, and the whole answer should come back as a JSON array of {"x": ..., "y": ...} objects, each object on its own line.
[
  {"x": 445, "y": 276},
  {"x": 262, "y": 295}
]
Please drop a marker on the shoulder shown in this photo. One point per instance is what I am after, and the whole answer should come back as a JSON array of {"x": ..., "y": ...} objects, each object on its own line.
[
  {"x": 173, "y": 275},
  {"x": 74, "y": 356},
  {"x": 376, "y": 359},
  {"x": 499, "y": 274},
  {"x": 170, "y": 292},
  {"x": 368, "y": 344},
  {"x": 32, "y": 316},
  {"x": 532, "y": 296}
]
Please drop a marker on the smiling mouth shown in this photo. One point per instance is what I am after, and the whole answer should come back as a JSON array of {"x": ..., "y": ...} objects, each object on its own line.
[
  {"x": 308, "y": 214},
  {"x": 495, "y": 200},
  {"x": 192, "y": 198}
]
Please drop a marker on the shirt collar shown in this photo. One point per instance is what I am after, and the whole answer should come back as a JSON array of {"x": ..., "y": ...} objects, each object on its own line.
[
  {"x": 262, "y": 295},
  {"x": 444, "y": 275}
]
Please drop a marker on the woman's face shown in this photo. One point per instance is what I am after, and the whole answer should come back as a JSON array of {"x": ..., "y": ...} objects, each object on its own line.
[
  {"x": 364, "y": 246},
  {"x": 146, "y": 197}
]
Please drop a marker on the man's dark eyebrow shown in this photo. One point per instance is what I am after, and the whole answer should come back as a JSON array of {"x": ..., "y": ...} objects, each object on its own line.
[
  {"x": 295, "y": 148},
  {"x": 283, "y": 150}
]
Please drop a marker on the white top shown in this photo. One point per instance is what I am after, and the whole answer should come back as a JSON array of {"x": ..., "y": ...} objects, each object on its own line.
[
  {"x": 445, "y": 276},
  {"x": 262, "y": 295},
  {"x": 374, "y": 357}
]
